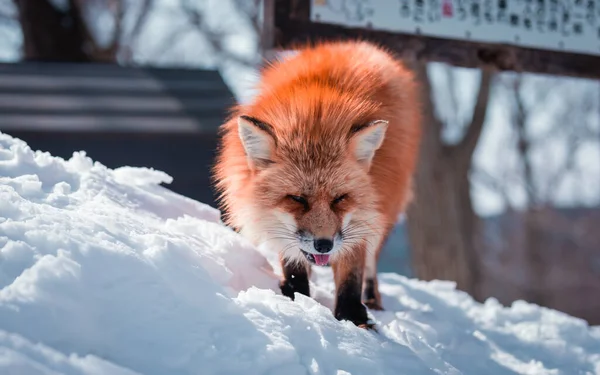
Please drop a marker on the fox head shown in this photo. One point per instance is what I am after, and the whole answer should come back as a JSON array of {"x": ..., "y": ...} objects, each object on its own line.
[{"x": 311, "y": 192}]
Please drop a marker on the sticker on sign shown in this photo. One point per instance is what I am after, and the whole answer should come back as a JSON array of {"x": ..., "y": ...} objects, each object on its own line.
[{"x": 562, "y": 25}]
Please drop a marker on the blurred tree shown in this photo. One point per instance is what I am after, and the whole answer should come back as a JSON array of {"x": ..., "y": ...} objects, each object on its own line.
[
  {"x": 63, "y": 30},
  {"x": 442, "y": 224},
  {"x": 216, "y": 37},
  {"x": 546, "y": 173},
  {"x": 532, "y": 233}
]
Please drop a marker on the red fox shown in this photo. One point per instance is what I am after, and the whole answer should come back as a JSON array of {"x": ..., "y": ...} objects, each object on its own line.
[{"x": 319, "y": 166}]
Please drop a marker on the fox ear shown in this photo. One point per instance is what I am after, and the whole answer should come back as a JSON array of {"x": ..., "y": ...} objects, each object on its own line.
[
  {"x": 367, "y": 139},
  {"x": 258, "y": 140}
]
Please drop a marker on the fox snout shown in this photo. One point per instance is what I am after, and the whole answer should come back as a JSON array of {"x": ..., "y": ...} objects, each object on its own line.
[
  {"x": 318, "y": 249},
  {"x": 320, "y": 244},
  {"x": 323, "y": 245}
]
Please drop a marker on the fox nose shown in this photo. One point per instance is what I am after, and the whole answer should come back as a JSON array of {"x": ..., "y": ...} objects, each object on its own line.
[{"x": 323, "y": 245}]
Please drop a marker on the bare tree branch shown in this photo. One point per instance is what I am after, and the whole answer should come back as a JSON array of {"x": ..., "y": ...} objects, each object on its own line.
[
  {"x": 559, "y": 175},
  {"x": 119, "y": 13},
  {"x": 465, "y": 148},
  {"x": 95, "y": 51},
  {"x": 251, "y": 8},
  {"x": 141, "y": 20},
  {"x": 214, "y": 39},
  {"x": 524, "y": 143},
  {"x": 171, "y": 41},
  {"x": 492, "y": 183}
]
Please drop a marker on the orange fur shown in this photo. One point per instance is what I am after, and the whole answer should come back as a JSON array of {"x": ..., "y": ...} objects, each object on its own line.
[{"x": 311, "y": 104}]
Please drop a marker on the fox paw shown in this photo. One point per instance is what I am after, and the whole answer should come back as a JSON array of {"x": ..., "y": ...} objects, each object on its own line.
[
  {"x": 369, "y": 326},
  {"x": 373, "y": 304}
]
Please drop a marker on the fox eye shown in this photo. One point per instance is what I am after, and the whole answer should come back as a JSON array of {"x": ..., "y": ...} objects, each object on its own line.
[
  {"x": 300, "y": 200},
  {"x": 339, "y": 198}
]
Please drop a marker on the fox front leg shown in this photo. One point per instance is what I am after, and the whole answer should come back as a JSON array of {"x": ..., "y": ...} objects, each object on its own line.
[
  {"x": 295, "y": 279},
  {"x": 348, "y": 274}
]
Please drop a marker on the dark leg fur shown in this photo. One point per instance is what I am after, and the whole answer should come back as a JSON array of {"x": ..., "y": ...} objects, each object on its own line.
[
  {"x": 369, "y": 290},
  {"x": 295, "y": 279},
  {"x": 371, "y": 295},
  {"x": 348, "y": 303}
]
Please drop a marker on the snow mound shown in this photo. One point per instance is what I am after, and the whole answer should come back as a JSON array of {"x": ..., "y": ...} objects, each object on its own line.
[{"x": 107, "y": 272}]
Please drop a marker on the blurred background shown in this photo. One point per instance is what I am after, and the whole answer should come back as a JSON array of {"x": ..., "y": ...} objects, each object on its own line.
[{"x": 508, "y": 188}]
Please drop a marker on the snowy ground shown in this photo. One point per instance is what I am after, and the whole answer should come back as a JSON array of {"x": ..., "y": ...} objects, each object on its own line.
[{"x": 106, "y": 272}]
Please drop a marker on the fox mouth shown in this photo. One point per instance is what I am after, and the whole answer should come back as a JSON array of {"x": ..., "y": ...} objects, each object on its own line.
[{"x": 319, "y": 260}]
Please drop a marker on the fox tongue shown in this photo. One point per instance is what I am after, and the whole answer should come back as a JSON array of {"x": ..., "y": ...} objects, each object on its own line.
[{"x": 321, "y": 260}]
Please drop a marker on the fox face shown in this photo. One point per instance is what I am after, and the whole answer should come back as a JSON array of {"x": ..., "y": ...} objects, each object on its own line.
[{"x": 313, "y": 195}]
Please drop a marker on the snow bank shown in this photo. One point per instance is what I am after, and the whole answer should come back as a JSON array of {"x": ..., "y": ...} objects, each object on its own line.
[{"x": 106, "y": 272}]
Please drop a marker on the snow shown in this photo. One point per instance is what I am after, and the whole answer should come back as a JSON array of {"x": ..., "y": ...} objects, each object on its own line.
[{"x": 108, "y": 272}]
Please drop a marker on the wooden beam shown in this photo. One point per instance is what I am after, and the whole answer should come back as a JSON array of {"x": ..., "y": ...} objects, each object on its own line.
[{"x": 292, "y": 27}]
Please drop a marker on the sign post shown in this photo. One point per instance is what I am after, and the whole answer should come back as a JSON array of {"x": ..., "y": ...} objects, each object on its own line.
[{"x": 543, "y": 36}]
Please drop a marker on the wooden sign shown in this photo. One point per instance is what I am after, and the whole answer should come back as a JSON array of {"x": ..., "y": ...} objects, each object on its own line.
[
  {"x": 560, "y": 25},
  {"x": 560, "y": 37}
]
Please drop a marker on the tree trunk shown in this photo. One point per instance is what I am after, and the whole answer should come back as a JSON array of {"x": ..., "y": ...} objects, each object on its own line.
[
  {"x": 534, "y": 290},
  {"x": 50, "y": 34},
  {"x": 442, "y": 224}
]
